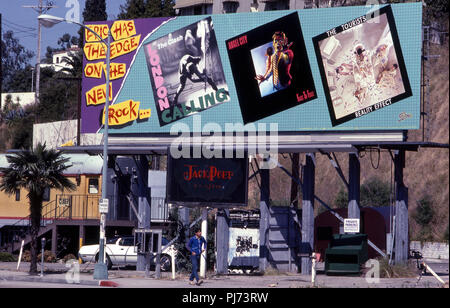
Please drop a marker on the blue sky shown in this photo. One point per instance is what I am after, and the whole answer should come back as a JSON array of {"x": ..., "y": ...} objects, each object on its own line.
[{"x": 23, "y": 21}]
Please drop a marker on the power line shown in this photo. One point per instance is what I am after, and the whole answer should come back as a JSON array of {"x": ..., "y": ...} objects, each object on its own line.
[
  {"x": 18, "y": 25},
  {"x": 18, "y": 28},
  {"x": 20, "y": 31}
]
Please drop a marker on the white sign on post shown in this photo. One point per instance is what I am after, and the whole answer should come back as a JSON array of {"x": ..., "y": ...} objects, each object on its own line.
[
  {"x": 351, "y": 225},
  {"x": 103, "y": 206}
]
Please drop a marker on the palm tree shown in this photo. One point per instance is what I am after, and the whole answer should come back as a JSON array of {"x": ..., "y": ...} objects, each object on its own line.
[{"x": 35, "y": 170}]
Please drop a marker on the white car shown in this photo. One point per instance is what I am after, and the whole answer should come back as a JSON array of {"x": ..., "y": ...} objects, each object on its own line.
[{"x": 121, "y": 251}]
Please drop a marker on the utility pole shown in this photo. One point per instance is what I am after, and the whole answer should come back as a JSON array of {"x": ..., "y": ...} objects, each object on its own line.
[
  {"x": 38, "y": 59},
  {"x": 40, "y": 9}
]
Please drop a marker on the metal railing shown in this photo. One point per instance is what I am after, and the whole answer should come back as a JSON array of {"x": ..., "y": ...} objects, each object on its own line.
[
  {"x": 159, "y": 210},
  {"x": 21, "y": 228},
  {"x": 76, "y": 207}
]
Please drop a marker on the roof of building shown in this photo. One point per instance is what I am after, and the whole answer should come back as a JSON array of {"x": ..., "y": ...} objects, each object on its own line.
[
  {"x": 187, "y": 3},
  {"x": 80, "y": 164}
]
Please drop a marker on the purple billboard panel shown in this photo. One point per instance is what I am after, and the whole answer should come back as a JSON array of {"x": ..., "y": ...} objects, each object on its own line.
[{"x": 127, "y": 37}]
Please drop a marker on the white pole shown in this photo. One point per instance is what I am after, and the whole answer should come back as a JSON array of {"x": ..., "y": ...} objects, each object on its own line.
[
  {"x": 20, "y": 255},
  {"x": 172, "y": 254},
  {"x": 313, "y": 270},
  {"x": 205, "y": 235},
  {"x": 433, "y": 273}
]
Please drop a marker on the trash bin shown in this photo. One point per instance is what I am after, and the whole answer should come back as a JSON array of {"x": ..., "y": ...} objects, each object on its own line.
[{"x": 346, "y": 253}]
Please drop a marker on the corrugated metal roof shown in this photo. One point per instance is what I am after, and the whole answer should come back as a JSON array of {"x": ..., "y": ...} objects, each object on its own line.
[{"x": 81, "y": 164}]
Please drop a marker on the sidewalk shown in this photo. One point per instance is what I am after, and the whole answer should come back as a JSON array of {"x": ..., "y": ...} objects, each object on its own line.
[{"x": 133, "y": 279}]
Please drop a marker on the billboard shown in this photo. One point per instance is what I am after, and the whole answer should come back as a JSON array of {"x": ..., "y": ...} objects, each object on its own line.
[
  {"x": 271, "y": 70},
  {"x": 334, "y": 69},
  {"x": 362, "y": 66},
  {"x": 189, "y": 79},
  {"x": 214, "y": 182}
]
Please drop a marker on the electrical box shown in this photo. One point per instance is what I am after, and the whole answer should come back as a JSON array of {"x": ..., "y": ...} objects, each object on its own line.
[{"x": 147, "y": 240}]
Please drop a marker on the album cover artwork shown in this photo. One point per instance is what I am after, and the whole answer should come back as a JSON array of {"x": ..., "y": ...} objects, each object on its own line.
[
  {"x": 362, "y": 66},
  {"x": 186, "y": 72},
  {"x": 271, "y": 69}
]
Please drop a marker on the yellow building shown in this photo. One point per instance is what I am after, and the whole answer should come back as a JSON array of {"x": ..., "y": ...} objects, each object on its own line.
[{"x": 66, "y": 214}]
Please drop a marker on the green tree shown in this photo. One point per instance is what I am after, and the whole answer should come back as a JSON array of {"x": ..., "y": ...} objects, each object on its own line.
[
  {"x": 64, "y": 42},
  {"x": 58, "y": 97},
  {"x": 35, "y": 170},
  {"x": 15, "y": 58},
  {"x": 94, "y": 10},
  {"x": 424, "y": 215},
  {"x": 146, "y": 8},
  {"x": 341, "y": 200},
  {"x": 424, "y": 212},
  {"x": 132, "y": 9},
  {"x": 75, "y": 61},
  {"x": 373, "y": 193},
  {"x": 437, "y": 9}
]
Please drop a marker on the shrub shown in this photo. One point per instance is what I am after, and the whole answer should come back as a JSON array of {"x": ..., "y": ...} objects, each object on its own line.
[
  {"x": 396, "y": 271},
  {"x": 26, "y": 256},
  {"x": 49, "y": 257},
  {"x": 424, "y": 212},
  {"x": 7, "y": 257},
  {"x": 69, "y": 257}
]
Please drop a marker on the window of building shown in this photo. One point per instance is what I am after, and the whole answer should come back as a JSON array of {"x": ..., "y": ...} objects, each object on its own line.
[
  {"x": 17, "y": 194},
  {"x": 46, "y": 196},
  {"x": 198, "y": 10},
  {"x": 277, "y": 5},
  {"x": 230, "y": 6},
  {"x": 93, "y": 186}
]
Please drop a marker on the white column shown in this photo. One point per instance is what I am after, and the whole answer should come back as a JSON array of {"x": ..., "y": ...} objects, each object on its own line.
[{"x": 205, "y": 235}]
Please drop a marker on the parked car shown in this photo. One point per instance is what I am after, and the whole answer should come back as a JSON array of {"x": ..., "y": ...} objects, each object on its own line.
[{"x": 121, "y": 251}]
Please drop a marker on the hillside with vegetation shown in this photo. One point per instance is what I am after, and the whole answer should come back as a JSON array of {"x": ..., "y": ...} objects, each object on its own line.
[{"x": 426, "y": 174}]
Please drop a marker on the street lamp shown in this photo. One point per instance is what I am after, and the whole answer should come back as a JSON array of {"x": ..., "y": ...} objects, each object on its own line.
[{"x": 48, "y": 21}]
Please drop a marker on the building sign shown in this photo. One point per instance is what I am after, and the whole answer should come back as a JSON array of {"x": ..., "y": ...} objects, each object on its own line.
[
  {"x": 334, "y": 69},
  {"x": 214, "y": 182},
  {"x": 103, "y": 206},
  {"x": 351, "y": 225}
]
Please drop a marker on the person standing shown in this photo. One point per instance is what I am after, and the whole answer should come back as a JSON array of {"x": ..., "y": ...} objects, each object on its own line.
[{"x": 196, "y": 245}]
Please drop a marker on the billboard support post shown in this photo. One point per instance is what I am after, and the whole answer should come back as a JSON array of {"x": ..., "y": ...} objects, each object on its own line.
[
  {"x": 354, "y": 174},
  {"x": 205, "y": 235},
  {"x": 183, "y": 214},
  {"x": 264, "y": 219},
  {"x": 222, "y": 241},
  {"x": 143, "y": 207},
  {"x": 401, "y": 248},
  {"x": 308, "y": 214}
]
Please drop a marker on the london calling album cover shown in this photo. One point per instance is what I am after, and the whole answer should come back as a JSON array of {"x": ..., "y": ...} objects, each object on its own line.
[
  {"x": 362, "y": 66},
  {"x": 271, "y": 69},
  {"x": 186, "y": 72}
]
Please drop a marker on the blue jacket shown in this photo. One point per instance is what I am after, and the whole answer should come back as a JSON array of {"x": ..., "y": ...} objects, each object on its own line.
[{"x": 195, "y": 244}]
